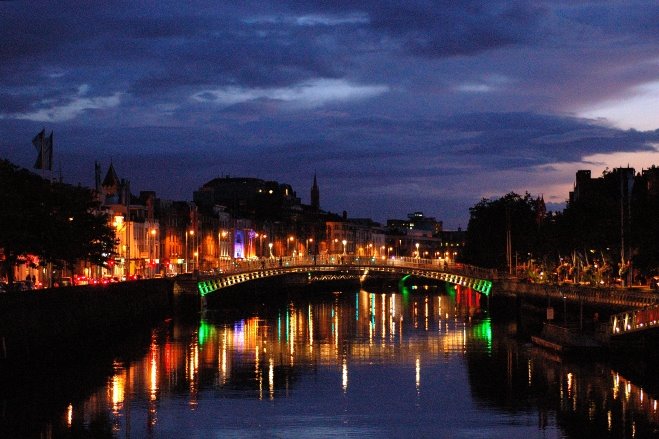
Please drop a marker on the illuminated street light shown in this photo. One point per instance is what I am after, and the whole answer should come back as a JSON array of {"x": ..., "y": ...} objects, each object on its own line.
[
  {"x": 417, "y": 250},
  {"x": 344, "y": 242},
  {"x": 270, "y": 247},
  {"x": 152, "y": 257}
]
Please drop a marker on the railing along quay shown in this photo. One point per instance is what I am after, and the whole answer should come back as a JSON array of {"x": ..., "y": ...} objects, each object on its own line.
[
  {"x": 635, "y": 320},
  {"x": 629, "y": 298}
]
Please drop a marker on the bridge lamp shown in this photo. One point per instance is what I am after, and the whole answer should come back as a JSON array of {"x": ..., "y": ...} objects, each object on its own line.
[
  {"x": 417, "y": 250},
  {"x": 270, "y": 247},
  {"x": 344, "y": 242}
]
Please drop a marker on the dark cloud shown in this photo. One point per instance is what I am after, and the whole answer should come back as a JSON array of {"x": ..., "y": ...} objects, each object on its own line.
[{"x": 397, "y": 105}]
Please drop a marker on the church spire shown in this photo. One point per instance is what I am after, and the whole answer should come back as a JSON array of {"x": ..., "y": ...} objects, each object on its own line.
[{"x": 315, "y": 194}]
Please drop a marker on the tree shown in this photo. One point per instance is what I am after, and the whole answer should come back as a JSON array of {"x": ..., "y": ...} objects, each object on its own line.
[
  {"x": 57, "y": 222},
  {"x": 489, "y": 220}
]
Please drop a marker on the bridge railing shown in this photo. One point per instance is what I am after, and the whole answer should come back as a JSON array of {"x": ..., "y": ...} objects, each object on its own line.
[{"x": 239, "y": 266}]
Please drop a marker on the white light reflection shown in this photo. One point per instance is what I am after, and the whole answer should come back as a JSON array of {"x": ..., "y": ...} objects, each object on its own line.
[
  {"x": 344, "y": 374},
  {"x": 257, "y": 371},
  {"x": 118, "y": 388},
  {"x": 223, "y": 358},
  {"x": 153, "y": 376},
  {"x": 271, "y": 378},
  {"x": 384, "y": 315},
  {"x": 310, "y": 324},
  {"x": 616, "y": 386},
  {"x": 192, "y": 366},
  {"x": 69, "y": 415},
  {"x": 418, "y": 374}
]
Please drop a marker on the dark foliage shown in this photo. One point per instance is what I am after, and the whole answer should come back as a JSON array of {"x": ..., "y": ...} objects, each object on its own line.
[{"x": 58, "y": 223}]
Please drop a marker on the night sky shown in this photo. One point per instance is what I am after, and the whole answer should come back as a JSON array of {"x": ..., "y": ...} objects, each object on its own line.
[{"x": 397, "y": 106}]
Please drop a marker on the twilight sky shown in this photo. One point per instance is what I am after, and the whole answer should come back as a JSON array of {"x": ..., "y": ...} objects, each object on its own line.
[{"x": 398, "y": 106}]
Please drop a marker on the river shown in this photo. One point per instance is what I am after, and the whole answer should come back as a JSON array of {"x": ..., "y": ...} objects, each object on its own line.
[{"x": 421, "y": 363}]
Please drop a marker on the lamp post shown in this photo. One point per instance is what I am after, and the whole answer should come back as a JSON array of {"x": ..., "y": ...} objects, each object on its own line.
[
  {"x": 417, "y": 250},
  {"x": 152, "y": 257},
  {"x": 270, "y": 248},
  {"x": 344, "y": 242}
]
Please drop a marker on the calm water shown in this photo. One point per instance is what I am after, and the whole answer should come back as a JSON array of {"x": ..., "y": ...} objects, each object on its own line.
[{"x": 352, "y": 364}]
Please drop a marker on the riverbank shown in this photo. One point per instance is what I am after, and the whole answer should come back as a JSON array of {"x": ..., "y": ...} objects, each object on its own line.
[{"x": 37, "y": 325}]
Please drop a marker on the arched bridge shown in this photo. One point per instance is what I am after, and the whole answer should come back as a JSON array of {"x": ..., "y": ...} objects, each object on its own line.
[{"x": 348, "y": 268}]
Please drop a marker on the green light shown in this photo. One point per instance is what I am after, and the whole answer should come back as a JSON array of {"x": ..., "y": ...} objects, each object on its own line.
[
  {"x": 482, "y": 331},
  {"x": 450, "y": 289},
  {"x": 206, "y": 331}
]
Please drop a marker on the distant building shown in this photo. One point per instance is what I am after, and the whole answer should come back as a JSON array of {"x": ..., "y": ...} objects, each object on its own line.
[{"x": 245, "y": 197}]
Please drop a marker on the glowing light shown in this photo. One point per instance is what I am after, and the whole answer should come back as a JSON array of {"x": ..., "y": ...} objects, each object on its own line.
[
  {"x": 69, "y": 415},
  {"x": 344, "y": 374},
  {"x": 271, "y": 378},
  {"x": 417, "y": 370}
]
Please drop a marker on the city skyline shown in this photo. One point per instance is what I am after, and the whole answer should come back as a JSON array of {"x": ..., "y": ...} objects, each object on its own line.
[{"x": 396, "y": 107}]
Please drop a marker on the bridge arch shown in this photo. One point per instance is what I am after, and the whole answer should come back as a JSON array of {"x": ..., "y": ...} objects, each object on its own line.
[{"x": 459, "y": 275}]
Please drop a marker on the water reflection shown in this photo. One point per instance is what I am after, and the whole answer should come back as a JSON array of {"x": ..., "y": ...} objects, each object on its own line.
[{"x": 375, "y": 364}]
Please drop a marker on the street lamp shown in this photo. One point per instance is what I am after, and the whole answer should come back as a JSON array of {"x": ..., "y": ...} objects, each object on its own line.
[
  {"x": 151, "y": 258},
  {"x": 270, "y": 248},
  {"x": 417, "y": 250},
  {"x": 344, "y": 242},
  {"x": 288, "y": 246}
]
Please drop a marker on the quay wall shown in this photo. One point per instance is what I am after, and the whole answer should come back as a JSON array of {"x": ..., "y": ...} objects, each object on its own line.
[{"x": 43, "y": 324}]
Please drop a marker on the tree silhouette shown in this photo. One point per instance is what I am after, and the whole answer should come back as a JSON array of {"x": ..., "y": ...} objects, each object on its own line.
[{"x": 59, "y": 223}]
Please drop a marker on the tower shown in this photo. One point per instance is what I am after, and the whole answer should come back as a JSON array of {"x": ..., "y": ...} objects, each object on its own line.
[{"x": 315, "y": 195}]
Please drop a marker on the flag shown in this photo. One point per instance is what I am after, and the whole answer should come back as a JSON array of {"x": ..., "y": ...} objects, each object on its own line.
[{"x": 44, "y": 147}]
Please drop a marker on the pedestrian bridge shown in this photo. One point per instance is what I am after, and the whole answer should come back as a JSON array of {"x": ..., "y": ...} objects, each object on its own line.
[{"x": 349, "y": 268}]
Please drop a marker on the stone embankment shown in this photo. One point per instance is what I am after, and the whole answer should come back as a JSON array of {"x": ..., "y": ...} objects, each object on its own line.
[{"x": 42, "y": 324}]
